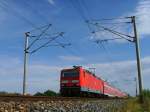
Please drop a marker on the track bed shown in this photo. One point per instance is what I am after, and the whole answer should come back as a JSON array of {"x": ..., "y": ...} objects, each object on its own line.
[{"x": 59, "y": 104}]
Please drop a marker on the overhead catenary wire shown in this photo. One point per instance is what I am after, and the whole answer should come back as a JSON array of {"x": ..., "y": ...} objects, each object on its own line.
[
  {"x": 15, "y": 13},
  {"x": 115, "y": 32},
  {"x": 112, "y": 21},
  {"x": 35, "y": 11},
  {"x": 39, "y": 36},
  {"x": 112, "y": 27},
  {"x": 106, "y": 19},
  {"x": 59, "y": 44},
  {"x": 85, "y": 8},
  {"x": 106, "y": 40},
  {"x": 39, "y": 28},
  {"x": 49, "y": 37},
  {"x": 63, "y": 45},
  {"x": 46, "y": 43},
  {"x": 80, "y": 10},
  {"x": 123, "y": 36}
]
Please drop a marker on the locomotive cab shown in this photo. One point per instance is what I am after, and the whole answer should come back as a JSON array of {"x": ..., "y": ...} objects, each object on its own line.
[{"x": 69, "y": 82}]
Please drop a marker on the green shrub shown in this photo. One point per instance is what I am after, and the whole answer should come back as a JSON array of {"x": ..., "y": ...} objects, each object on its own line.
[
  {"x": 146, "y": 93},
  {"x": 38, "y": 94},
  {"x": 6, "y": 93},
  {"x": 46, "y": 93},
  {"x": 50, "y": 93}
]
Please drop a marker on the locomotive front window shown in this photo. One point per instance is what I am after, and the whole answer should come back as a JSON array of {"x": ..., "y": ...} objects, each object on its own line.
[{"x": 70, "y": 74}]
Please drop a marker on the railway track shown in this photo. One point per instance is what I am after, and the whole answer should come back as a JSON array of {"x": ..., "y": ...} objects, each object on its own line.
[
  {"x": 46, "y": 98},
  {"x": 58, "y": 104}
]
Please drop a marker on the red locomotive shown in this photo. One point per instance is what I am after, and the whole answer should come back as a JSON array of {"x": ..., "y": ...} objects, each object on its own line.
[{"x": 80, "y": 82}]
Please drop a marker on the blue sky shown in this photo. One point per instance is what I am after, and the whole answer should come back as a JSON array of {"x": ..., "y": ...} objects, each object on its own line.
[{"x": 117, "y": 64}]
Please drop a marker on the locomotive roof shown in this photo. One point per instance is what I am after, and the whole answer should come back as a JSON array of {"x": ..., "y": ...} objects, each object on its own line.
[{"x": 80, "y": 67}]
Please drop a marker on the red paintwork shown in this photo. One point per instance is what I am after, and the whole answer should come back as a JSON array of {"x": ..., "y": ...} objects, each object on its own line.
[{"x": 90, "y": 82}]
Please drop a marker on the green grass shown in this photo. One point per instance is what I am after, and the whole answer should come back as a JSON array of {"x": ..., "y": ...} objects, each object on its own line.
[{"x": 133, "y": 104}]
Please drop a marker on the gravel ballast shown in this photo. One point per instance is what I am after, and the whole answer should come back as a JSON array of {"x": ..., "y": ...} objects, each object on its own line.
[{"x": 62, "y": 106}]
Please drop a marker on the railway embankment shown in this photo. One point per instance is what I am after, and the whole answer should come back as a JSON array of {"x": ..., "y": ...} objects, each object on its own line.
[{"x": 62, "y": 106}]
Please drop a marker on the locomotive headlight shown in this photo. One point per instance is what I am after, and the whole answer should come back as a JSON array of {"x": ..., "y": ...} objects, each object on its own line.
[
  {"x": 75, "y": 81},
  {"x": 64, "y": 81}
]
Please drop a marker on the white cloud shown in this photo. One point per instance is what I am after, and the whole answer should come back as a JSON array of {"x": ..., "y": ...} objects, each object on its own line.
[
  {"x": 71, "y": 58},
  {"x": 143, "y": 12},
  {"x": 51, "y": 2}
]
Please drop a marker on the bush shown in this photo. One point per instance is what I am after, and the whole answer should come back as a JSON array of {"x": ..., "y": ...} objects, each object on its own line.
[
  {"x": 6, "y": 93},
  {"x": 38, "y": 94},
  {"x": 50, "y": 93},
  {"x": 46, "y": 93},
  {"x": 146, "y": 93}
]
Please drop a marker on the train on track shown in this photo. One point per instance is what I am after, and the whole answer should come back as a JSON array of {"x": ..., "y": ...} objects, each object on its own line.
[{"x": 80, "y": 82}]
